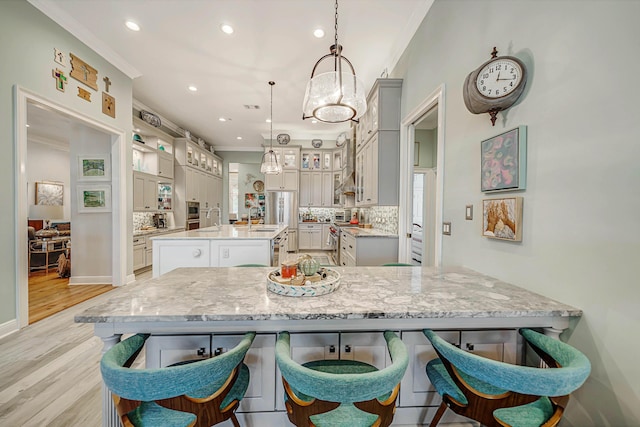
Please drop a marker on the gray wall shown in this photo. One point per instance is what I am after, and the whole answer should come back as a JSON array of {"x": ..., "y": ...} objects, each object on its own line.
[
  {"x": 28, "y": 41},
  {"x": 581, "y": 232},
  {"x": 248, "y": 157},
  {"x": 427, "y": 153}
]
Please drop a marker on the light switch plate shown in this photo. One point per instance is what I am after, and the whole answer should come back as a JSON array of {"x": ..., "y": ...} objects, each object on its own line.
[
  {"x": 446, "y": 228},
  {"x": 468, "y": 213}
]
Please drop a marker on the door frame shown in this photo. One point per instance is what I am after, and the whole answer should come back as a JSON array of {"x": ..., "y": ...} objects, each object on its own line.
[
  {"x": 118, "y": 193},
  {"x": 407, "y": 138}
]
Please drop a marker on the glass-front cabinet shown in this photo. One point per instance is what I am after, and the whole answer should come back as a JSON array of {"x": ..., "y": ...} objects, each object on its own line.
[{"x": 165, "y": 196}]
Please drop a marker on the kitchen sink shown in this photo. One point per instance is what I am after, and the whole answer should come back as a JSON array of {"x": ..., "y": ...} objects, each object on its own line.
[{"x": 262, "y": 230}]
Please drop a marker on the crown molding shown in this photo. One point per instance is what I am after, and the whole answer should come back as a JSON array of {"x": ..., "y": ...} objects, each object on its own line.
[{"x": 49, "y": 8}]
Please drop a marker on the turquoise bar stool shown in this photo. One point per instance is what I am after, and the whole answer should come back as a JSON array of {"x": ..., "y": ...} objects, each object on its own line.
[
  {"x": 341, "y": 393},
  {"x": 194, "y": 393},
  {"x": 499, "y": 394}
]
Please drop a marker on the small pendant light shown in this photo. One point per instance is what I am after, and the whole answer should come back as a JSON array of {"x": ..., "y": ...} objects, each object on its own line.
[
  {"x": 270, "y": 159},
  {"x": 334, "y": 96}
]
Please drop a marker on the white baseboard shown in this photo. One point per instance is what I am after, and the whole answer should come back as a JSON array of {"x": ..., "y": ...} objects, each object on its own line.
[
  {"x": 90, "y": 280},
  {"x": 8, "y": 328},
  {"x": 130, "y": 278}
]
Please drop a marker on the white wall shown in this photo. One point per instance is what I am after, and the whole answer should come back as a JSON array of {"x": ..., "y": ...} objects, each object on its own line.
[{"x": 581, "y": 234}]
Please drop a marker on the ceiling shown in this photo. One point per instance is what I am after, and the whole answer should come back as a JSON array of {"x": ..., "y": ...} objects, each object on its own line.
[{"x": 180, "y": 44}]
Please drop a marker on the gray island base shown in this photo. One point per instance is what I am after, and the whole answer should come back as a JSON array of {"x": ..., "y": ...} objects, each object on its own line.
[{"x": 196, "y": 312}]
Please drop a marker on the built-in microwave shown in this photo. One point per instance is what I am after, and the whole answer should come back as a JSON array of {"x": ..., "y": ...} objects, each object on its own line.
[
  {"x": 193, "y": 210},
  {"x": 342, "y": 215}
]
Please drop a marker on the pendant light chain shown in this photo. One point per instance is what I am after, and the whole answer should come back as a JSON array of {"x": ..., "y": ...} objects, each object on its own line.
[{"x": 336, "y": 25}]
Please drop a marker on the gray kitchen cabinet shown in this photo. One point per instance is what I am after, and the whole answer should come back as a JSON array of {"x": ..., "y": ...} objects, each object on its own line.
[
  {"x": 287, "y": 180},
  {"x": 415, "y": 388},
  {"x": 369, "y": 250},
  {"x": 316, "y": 189},
  {"x": 139, "y": 253},
  {"x": 309, "y": 236},
  {"x": 164, "y": 350},
  {"x": 378, "y": 146},
  {"x": 145, "y": 192}
]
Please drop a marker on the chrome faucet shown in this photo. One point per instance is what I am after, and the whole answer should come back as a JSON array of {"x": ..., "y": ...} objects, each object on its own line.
[{"x": 217, "y": 209}]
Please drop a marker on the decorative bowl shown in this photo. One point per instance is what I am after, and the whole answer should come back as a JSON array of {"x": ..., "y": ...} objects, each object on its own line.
[{"x": 329, "y": 282}]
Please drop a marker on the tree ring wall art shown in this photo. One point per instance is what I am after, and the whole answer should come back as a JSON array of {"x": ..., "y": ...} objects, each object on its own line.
[{"x": 504, "y": 161}]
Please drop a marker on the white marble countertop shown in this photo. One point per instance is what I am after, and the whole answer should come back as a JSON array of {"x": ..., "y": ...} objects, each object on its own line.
[
  {"x": 234, "y": 294},
  {"x": 152, "y": 231},
  {"x": 256, "y": 232},
  {"x": 367, "y": 232}
]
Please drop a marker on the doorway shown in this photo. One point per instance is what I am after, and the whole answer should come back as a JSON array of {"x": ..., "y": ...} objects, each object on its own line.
[
  {"x": 100, "y": 236},
  {"x": 421, "y": 183}
]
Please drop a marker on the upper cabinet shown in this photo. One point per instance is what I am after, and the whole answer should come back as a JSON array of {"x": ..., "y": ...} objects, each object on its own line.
[
  {"x": 378, "y": 146},
  {"x": 152, "y": 150},
  {"x": 189, "y": 153}
]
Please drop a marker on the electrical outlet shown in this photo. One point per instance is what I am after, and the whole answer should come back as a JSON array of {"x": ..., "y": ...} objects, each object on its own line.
[
  {"x": 225, "y": 252},
  {"x": 446, "y": 228},
  {"x": 468, "y": 213}
]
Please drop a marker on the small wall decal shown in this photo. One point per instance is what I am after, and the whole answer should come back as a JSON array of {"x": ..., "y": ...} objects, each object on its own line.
[
  {"x": 108, "y": 105},
  {"x": 84, "y": 94},
  {"x": 107, "y": 83},
  {"x": 58, "y": 56},
  {"x": 61, "y": 79},
  {"x": 84, "y": 72}
]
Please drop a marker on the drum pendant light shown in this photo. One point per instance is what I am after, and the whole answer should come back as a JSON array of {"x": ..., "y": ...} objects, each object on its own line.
[
  {"x": 269, "y": 163},
  {"x": 335, "y": 96}
]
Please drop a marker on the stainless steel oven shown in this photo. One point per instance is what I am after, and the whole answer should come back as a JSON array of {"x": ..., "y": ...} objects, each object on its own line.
[{"x": 193, "y": 215}]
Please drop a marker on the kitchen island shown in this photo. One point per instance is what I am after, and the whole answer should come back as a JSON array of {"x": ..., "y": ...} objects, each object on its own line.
[
  {"x": 219, "y": 246},
  {"x": 201, "y": 311}
]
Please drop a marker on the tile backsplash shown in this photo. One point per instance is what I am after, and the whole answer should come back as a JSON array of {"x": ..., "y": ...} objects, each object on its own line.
[
  {"x": 384, "y": 218},
  {"x": 142, "y": 219}
]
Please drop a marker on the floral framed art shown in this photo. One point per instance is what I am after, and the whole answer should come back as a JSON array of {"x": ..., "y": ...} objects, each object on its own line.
[
  {"x": 94, "y": 198},
  {"x": 94, "y": 167},
  {"x": 504, "y": 161},
  {"x": 49, "y": 193},
  {"x": 502, "y": 218}
]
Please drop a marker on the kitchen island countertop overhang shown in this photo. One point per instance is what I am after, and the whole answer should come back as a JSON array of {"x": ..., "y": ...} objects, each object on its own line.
[{"x": 369, "y": 297}]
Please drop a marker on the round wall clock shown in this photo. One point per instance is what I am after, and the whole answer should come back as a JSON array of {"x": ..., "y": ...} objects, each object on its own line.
[
  {"x": 495, "y": 86},
  {"x": 258, "y": 186},
  {"x": 316, "y": 143},
  {"x": 283, "y": 138}
]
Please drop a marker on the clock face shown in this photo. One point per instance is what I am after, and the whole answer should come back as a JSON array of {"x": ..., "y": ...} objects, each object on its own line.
[{"x": 499, "y": 78}]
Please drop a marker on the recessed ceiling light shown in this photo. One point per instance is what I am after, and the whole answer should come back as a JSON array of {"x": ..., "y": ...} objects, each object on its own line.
[
  {"x": 314, "y": 121},
  {"x": 268, "y": 120},
  {"x": 318, "y": 33},
  {"x": 132, "y": 26},
  {"x": 222, "y": 119},
  {"x": 238, "y": 137},
  {"x": 27, "y": 125},
  {"x": 226, "y": 28},
  {"x": 192, "y": 88}
]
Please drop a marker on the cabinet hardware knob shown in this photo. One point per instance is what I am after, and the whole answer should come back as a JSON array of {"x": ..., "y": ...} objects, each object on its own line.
[
  {"x": 332, "y": 349},
  {"x": 201, "y": 351},
  {"x": 197, "y": 253},
  {"x": 470, "y": 347},
  {"x": 347, "y": 349},
  {"x": 218, "y": 351}
]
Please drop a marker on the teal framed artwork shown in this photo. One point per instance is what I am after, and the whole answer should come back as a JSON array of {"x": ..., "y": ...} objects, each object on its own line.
[
  {"x": 94, "y": 198},
  {"x": 504, "y": 161}
]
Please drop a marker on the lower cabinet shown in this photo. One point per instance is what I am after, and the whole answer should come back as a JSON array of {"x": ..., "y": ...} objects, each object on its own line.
[
  {"x": 309, "y": 236},
  {"x": 367, "y": 250},
  {"x": 164, "y": 350},
  {"x": 266, "y": 393}
]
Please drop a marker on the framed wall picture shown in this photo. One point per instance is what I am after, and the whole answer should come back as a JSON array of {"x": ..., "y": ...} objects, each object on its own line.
[
  {"x": 49, "y": 193},
  {"x": 504, "y": 161},
  {"x": 502, "y": 218},
  {"x": 94, "y": 167},
  {"x": 94, "y": 198}
]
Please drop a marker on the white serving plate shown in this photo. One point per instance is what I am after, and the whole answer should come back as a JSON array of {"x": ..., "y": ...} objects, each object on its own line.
[{"x": 321, "y": 287}]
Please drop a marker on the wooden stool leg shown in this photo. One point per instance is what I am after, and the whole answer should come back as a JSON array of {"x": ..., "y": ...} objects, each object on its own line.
[
  {"x": 234, "y": 420},
  {"x": 438, "y": 415}
]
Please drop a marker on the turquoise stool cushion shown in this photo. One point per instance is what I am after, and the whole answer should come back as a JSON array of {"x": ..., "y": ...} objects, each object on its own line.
[
  {"x": 532, "y": 415},
  {"x": 150, "y": 414}
]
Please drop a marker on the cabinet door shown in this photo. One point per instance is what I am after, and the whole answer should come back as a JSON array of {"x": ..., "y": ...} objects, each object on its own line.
[
  {"x": 148, "y": 252},
  {"x": 327, "y": 161},
  {"x": 497, "y": 344},
  {"x": 165, "y": 164},
  {"x": 415, "y": 388},
  {"x": 316, "y": 238},
  {"x": 273, "y": 182},
  {"x": 325, "y": 237},
  {"x": 368, "y": 347},
  {"x": 192, "y": 184},
  {"x": 150, "y": 194},
  {"x": 138, "y": 192},
  {"x": 316, "y": 189},
  {"x": 261, "y": 361},
  {"x": 307, "y": 348},
  {"x": 292, "y": 240},
  {"x": 138, "y": 253},
  {"x": 327, "y": 189},
  {"x": 289, "y": 180},
  {"x": 372, "y": 172},
  {"x": 305, "y": 189},
  {"x": 289, "y": 158},
  {"x": 304, "y": 239},
  {"x": 165, "y": 350}
]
